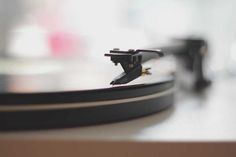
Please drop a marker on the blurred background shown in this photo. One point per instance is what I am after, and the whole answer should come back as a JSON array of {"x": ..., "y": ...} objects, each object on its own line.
[{"x": 40, "y": 36}]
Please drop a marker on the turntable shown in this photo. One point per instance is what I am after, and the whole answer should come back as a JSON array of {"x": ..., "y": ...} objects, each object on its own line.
[{"x": 56, "y": 102}]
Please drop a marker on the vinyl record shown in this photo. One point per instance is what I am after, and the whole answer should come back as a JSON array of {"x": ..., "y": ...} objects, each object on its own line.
[{"x": 57, "y": 100}]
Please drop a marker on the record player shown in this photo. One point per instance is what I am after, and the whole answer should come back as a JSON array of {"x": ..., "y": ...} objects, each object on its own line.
[{"x": 138, "y": 91}]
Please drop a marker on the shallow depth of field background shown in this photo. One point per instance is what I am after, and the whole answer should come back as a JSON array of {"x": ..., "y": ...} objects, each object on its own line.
[{"x": 74, "y": 29}]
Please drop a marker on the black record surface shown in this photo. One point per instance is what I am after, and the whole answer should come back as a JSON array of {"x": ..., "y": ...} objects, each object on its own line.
[{"x": 43, "y": 108}]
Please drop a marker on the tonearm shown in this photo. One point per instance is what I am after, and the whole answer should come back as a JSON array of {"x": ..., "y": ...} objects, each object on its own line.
[{"x": 190, "y": 51}]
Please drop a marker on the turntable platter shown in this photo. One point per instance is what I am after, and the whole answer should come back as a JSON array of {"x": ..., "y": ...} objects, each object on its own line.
[{"x": 72, "y": 98}]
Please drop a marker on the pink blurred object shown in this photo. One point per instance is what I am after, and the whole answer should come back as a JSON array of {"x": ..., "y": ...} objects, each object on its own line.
[{"x": 63, "y": 43}]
